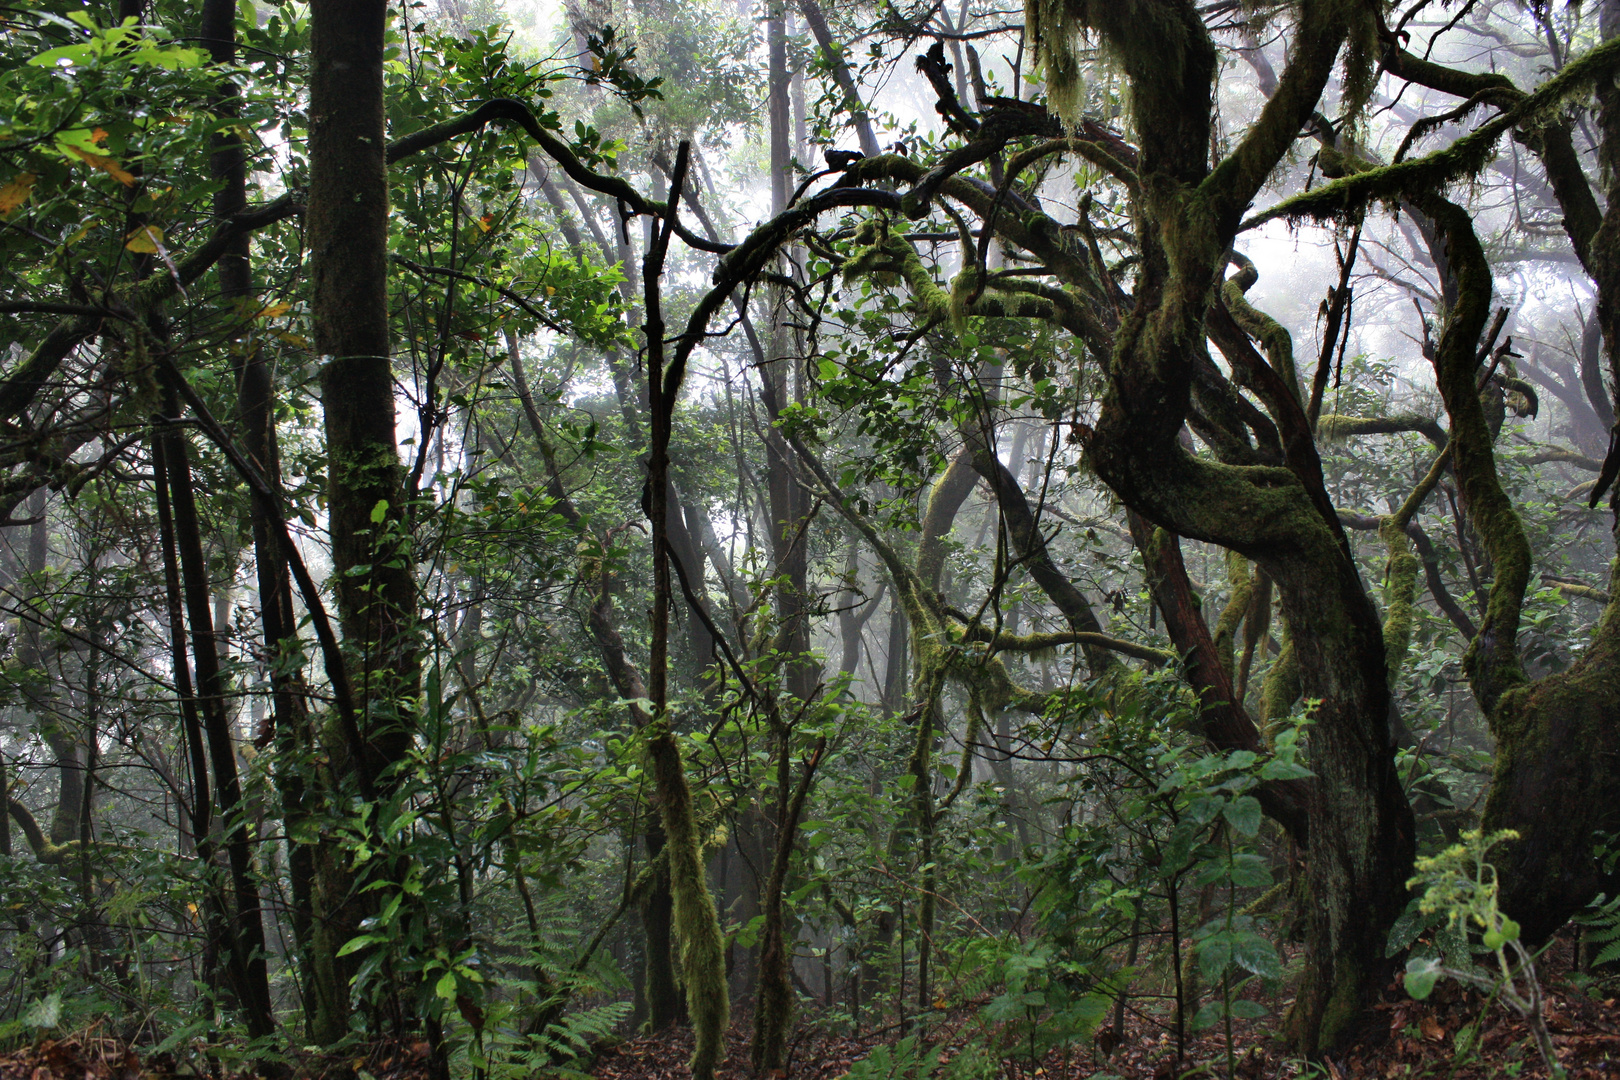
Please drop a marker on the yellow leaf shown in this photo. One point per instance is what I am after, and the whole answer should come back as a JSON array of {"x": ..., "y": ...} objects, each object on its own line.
[
  {"x": 192, "y": 908},
  {"x": 483, "y": 222},
  {"x": 144, "y": 240},
  {"x": 76, "y": 237},
  {"x": 273, "y": 310},
  {"x": 551, "y": 290},
  {"x": 106, "y": 165},
  {"x": 15, "y": 193}
]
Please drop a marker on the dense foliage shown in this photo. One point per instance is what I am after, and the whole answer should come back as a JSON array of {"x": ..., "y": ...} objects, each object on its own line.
[{"x": 514, "y": 532}]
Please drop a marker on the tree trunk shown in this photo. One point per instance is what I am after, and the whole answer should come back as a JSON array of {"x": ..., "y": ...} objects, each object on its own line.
[
  {"x": 347, "y": 229},
  {"x": 246, "y": 925}
]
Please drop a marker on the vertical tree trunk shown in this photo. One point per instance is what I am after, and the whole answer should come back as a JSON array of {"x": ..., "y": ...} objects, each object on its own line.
[
  {"x": 34, "y": 655},
  {"x": 200, "y": 810},
  {"x": 661, "y": 989},
  {"x": 347, "y": 228},
  {"x": 697, "y": 926},
  {"x": 255, "y": 409},
  {"x": 246, "y": 925},
  {"x": 774, "y": 999}
]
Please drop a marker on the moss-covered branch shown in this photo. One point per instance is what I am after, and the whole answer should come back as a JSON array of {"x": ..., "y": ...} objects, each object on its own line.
[
  {"x": 1492, "y": 660},
  {"x": 1565, "y": 457},
  {"x": 47, "y": 852},
  {"x": 1576, "y": 589},
  {"x": 1334, "y": 426},
  {"x": 1548, "y": 138},
  {"x": 1400, "y": 584},
  {"x": 1466, "y": 157},
  {"x": 1044, "y": 642},
  {"x": 1322, "y": 28},
  {"x": 1033, "y": 231},
  {"x": 1241, "y": 582}
]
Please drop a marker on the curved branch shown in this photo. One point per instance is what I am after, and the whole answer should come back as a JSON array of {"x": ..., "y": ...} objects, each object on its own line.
[
  {"x": 461, "y": 275},
  {"x": 1563, "y": 457},
  {"x": 511, "y": 111},
  {"x": 1432, "y": 172},
  {"x": 46, "y": 852},
  {"x": 1024, "y": 643},
  {"x": 1334, "y": 426}
]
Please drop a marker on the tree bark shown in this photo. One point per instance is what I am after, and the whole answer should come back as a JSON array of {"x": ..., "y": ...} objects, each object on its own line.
[{"x": 347, "y": 229}]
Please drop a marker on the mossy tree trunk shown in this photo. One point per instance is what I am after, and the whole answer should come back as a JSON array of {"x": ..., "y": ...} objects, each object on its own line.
[
  {"x": 697, "y": 926},
  {"x": 1359, "y": 823},
  {"x": 1554, "y": 782}
]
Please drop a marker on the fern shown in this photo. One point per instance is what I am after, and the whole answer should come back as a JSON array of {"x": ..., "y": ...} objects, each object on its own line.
[
  {"x": 902, "y": 1061},
  {"x": 563, "y": 1049},
  {"x": 1601, "y": 925}
]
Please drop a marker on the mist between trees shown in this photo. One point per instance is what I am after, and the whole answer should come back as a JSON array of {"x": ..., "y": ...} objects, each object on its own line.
[{"x": 525, "y": 525}]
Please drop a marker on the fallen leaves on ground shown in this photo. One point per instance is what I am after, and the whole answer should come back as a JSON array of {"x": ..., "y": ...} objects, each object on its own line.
[{"x": 1455, "y": 1035}]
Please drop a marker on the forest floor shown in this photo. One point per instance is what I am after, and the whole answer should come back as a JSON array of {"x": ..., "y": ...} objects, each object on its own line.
[{"x": 1455, "y": 1035}]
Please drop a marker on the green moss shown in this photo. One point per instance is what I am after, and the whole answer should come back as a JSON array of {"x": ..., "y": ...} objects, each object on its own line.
[
  {"x": 1345, "y": 1006},
  {"x": 1465, "y": 158},
  {"x": 1400, "y": 586},
  {"x": 1492, "y": 660},
  {"x": 697, "y": 927},
  {"x": 1237, "y": 604},
  {"x": 1272, "y": 335},
  {"x": 1281, "y": 687},
  {"x": 1557, "y": 780}
]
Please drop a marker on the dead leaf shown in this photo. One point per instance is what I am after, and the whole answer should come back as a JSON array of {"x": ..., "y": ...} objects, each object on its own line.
[
  {"x": 1432, "y": 1029},
  {"x": 16, "y": 193},
  {"x": 107, "y": 165},
  {"x": 144, "y": 240}
]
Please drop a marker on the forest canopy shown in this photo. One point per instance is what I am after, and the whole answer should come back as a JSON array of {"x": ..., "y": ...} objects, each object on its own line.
[{"x": 521, "y": 526}]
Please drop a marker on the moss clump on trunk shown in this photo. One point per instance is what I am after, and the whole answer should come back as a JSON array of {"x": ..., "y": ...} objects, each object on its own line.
[
  {"x": 700, "y": 945},
  {"x": 1557, "y": 769}
]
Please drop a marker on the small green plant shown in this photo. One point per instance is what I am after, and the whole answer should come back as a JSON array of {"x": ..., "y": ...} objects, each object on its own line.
[
  {"x": 902, "y": 1061},
  {"x": 1461, "y": 885},
  {"x": 1041, "y": 1007},
  {"x": 1600, "y": 922},
  {"x": 1218, "y": 820}
]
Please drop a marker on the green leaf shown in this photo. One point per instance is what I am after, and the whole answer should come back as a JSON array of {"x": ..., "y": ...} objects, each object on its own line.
[
  {"x": 44, "y": 1013},
  {"x": 74, "y": 54},
  {"x": 1214, "y": 954},
  {"x": 354, "y": 945},
  {"x": 1208, "y": 1016},
  {"x": 1244, "y": 815},
  {"x": 446, "y": 987},
  {"x": 1421, "y": 975},
  {"x": 1406, "y": 929},
  {"x": 379, "y": 512},
  {"x": 1250, "y": 871},
  {"x": 1252, "y": 952},
  {"x": 1277, "y": 769}
]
